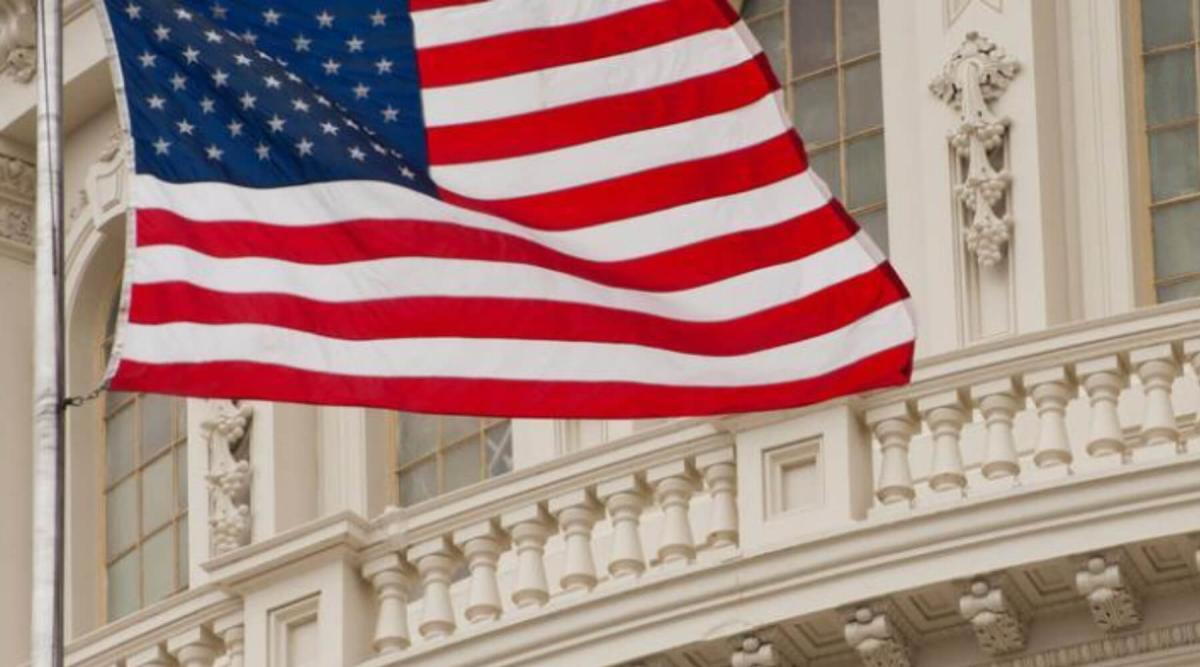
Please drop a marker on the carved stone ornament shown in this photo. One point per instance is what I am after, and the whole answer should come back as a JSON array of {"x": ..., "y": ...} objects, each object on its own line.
[
  {"x": 228, "y": 477},
  {"x": 999, "y": 627},
  {"x": 876, "y": 640},
  {"x": 18, "y": 44},
  {"x": 105, "y": 193},
  {"x": 977, "y": 74},
  {"x": 17, "y": 179},
  {"x": 754, "y": 652},
  {"x": 1112, "y": 597}
]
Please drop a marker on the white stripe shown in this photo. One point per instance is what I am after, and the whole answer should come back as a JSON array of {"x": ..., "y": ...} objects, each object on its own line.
[
  {"x": 658, "y": 65},
  {"x": 517, "y": 359},
  {"x": 616, "y": 156},
  {"x": 450, "y": 25},
  {"x": 324, "y": 203},
  {"x": 738, "y": 296}
]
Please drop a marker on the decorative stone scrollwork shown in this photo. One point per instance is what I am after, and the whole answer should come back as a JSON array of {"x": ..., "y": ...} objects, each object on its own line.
[
  {"x": 876, "y": 640},
  {"x": 18, "y": 44},
  {"x": 17, "y": 182},
  {"x": 754, "y": 652},
  {"x": 228, "y": 476},
  {"x": 104, "y": 195},
  {"x": 999, "y": 626},
  {"x": 1112, "y": 597},
  {"x": 978, "y": 73}
]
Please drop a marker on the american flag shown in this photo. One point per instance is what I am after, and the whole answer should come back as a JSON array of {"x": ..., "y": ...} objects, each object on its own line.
[{"x": 560, "y": 208}]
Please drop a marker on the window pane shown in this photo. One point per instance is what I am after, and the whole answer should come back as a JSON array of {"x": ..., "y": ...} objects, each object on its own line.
[
  {"x": 865, "y": 172},
  {"x": 828, "y": 165},
  {"x": 121, "y": 517},
  {"x": 123, "y": 587},
  {"x": 812, "y": 35},
  {"x": 158, "y": 494},
  {"x": 158, "y": 566},
  {"x": 181, "y": 488},
  {"x": 815, "y": 104},
  {"x": 113, "y": 399},
  {"x": 1173, "y": 157},
  {"x": 157, "y": 430},
  {"x": 498, "y": 440},
  {"x": 1177, "y": 240},
  {"x": 1176, "y": 291},
  {"x": 463, "y": 466},
  {"x": 875, "y": 224},
  {"x": 418, "y": 483},
  {"x": 456, "y": 429},
  {"x": 860, "y": 27},
  {"x": 864, "y": 97},
  {"x": 752, "y": 8},
  {"x": 1166, "y": 22},
  {"x": 181, "y": 563},
  {"x": 418, "y": 436},
  {"x": 769, "y": 32},
  {"x": 1170, "y": 87},
  {"x": 119, "y": 443}
]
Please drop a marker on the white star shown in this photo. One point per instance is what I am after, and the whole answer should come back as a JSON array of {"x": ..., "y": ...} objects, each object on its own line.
[
  {"x": 191, "y": 54},
  {"x": 325, "y": 19},
  {"x": 354, "y": 44},
  {"x": 183, "y": 14},
  {"x": 178, "y": 82},
  {"x": 271, "y": 82},
  {"x": 162, "y": 146},
  {"x": 214, "y": 153},
  {"x": 263, "y": 150},
  {"x": 378, "y": 18},
  {"x": 375, "y": 146},
  {"x": 134, "y": 11},
  {"x": 185, "y": 127},
  {"x": 305, "y": 146},
  {"x": 235, "y": 128},
  {"x": 350, "y": 123},
  {"x": 302, "y": 43},
  {"x": 276, "y": 123},
  {"x": 162, "y": 33},
  {"x": 292, "y": 77},
  {"x": 322, "y": 100},
  {"x": 220, "y": 78},
  {"x": 219, "y": 12},
  {"x": 384, "y": 66},
  {"x": 249, "y": 37},
  {"x": 300, "y": 105},
  {"x": 331, "y": 66},
  {"x": 361, "y": 91},
  {"x": 156, "y": 102},
  {"x": 390, "y": 114},
  {"x": 242, "y": 59},
  {"x": 271, "y": 16},
  {"x": 147, "y": 59},
  {"x": 357, "y": 153},
  {"x": 247, "y": 100},
  {"x": 207, "y": 105},
  {"x": 213, "y": 36},
  {"x": 407, "y": 173},
  {"x": 329, "y": 128}
]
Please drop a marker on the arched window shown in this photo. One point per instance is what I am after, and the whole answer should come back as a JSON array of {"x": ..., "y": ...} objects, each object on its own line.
[
  {"x": 1171, "y": 119},
  {"x": 826, "y": 55},
  {"x": 145, "y": 495},
  {"x": 436, "y": 455}
]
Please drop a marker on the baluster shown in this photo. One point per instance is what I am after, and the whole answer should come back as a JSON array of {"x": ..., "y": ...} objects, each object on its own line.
[
  {"x": 999, "y": 402},
  {"x": 195, "y": 648},
  {"x": 894, "y": 426},
  {"x": 391, "y": 577},
  {"x": 1191, "y": 353},
  {"x": 1157, "y": 366},
  {"x": 1052, "y": 389},
  {"x": 232, "y": 631},
  {"x": 625, "y": 498},
  {"x": 155, "y": 656},
  {"x": 481, "y": 544},
  {"x": 1103, "y": 379},
  {"x": 945, "y": 413},
  {"x": 719, "y": 469},
  {"x": 435, "y": 560},
  {"x": 577, "y": 512},
  {"x": 674, "y": 483},
  {"x": 529, "y": 528}
]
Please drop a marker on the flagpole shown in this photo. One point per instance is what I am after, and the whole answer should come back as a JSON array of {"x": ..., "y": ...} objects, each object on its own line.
[{"x": 49, "y": 373}]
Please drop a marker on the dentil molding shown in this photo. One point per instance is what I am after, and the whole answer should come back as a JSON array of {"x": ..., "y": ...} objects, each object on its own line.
[
  {"x": 976, "y": 75},
  {"x": 228, "y": 477},
  {"x": 1104, "y": 649}
]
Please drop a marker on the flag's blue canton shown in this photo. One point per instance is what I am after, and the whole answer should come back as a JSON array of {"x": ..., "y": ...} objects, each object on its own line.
[{"x": 272, "y": 93}]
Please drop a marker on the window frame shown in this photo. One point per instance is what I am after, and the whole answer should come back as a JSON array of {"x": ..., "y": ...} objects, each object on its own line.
[{"x": 438, "y": 454}]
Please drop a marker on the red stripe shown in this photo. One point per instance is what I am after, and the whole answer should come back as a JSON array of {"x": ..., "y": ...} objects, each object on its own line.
[
  {"x": 509, "y": 398},
  {"x": 553, "y": 46},
  {"x": 574, "y": 124},
  {"x": 422, "y": 5},
  {"x": 361, "y": 240},
  {"x": 460, "y": 317},
  {"x": 650, "y": 190}
]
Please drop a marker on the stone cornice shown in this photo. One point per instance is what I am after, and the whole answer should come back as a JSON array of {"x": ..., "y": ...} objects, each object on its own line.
[{"x": 1103, "y": 649}]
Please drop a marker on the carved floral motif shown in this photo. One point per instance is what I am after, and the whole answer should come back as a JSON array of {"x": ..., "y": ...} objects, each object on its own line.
[
  {"x": 978, "y": 73},
  {"x": 999, "y": 627},
  {"x": 18, "y": 47},
  {"x": 876, "y": 640},
  {"x": 228, "y": 477},
  {"x": 17, "y": 182},
  {"x": 1112, "y": 598},
  {"x": 754, "y": 652}
]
